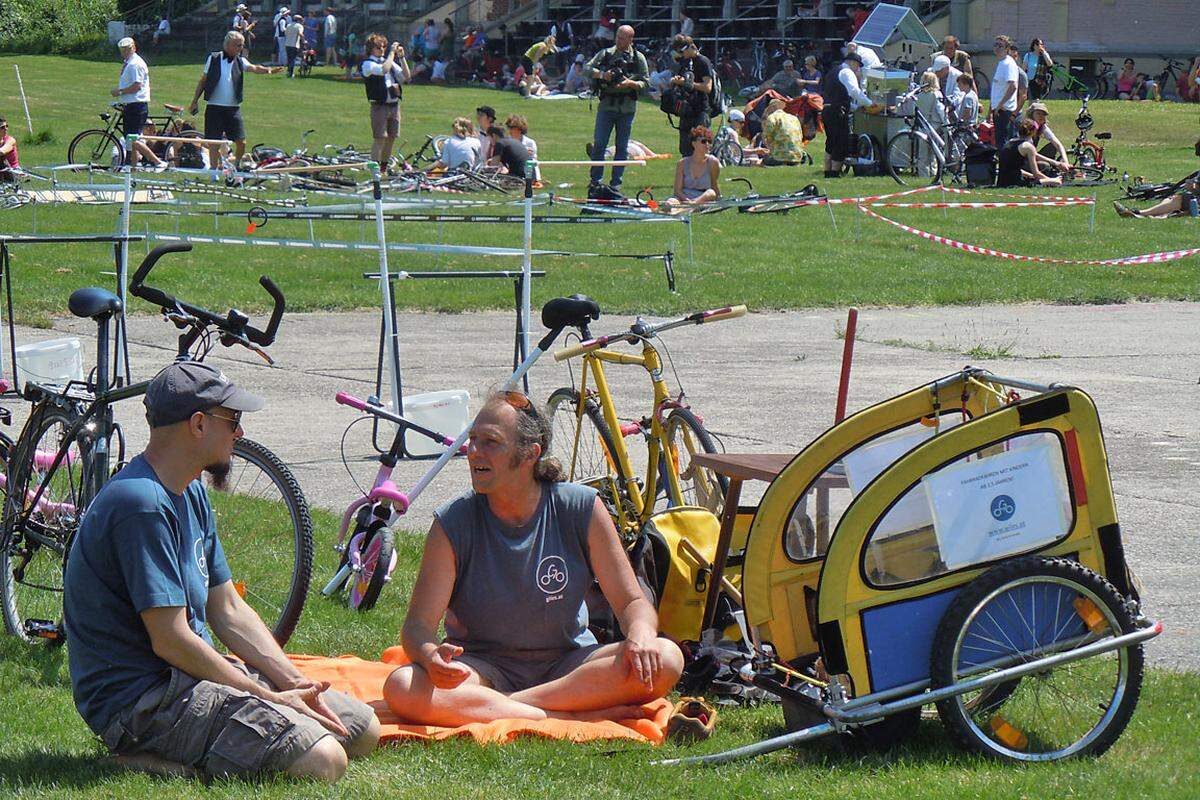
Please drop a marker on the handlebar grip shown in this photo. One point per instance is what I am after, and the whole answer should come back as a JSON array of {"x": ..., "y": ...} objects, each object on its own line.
[
  {"x": 579, "y": 348},
  {"x": 265, "y": 337},
  {"x": 152, "y": 258},
  {"x": 151, "y": 295},
  {"x": 350, "y": 400},
  {"x": 718, "y": 314}
]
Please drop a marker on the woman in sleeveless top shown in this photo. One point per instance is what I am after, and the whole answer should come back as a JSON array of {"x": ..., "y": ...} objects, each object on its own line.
[
  {"x": 507, "y": 567},
  {"x": 696, "y": 175},
  {"x": 1017, "y": 163}
]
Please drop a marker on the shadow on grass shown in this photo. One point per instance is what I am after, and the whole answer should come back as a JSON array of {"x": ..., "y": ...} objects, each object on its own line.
[
  {"x": 50, "y": 769},
  {"x": 46, "y": 665}
]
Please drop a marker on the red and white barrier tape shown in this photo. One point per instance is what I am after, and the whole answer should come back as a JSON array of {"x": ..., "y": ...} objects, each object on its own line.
[
  {"x": 1071, "y": 201},
  {"x": 1148, "y": 258}
]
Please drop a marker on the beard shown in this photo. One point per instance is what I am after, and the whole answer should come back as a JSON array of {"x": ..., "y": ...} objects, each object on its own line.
[{"x": 219, "y": 474}]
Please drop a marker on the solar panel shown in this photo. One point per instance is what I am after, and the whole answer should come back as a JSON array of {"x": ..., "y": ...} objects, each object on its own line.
[{"x": 881, "y": 24}]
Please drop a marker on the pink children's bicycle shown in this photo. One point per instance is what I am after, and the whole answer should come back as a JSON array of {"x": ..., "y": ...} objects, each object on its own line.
[{"x": 367, "y": 554}]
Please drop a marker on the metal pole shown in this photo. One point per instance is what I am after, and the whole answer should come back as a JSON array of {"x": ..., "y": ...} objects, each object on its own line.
[
  {"x": 527, "y": 259},
  {"x": 24, "y": 102},
  {"x": 847, "y": 359},
  {"x": 122, "y": 367},
  {"x": 392, "y": 345},
  {"x": 1092, "y": 223}
]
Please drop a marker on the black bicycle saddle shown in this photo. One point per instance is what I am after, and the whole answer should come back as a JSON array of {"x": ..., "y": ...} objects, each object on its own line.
[
  {"x": 93, "y": 302},
  {"x": 570, "y": 312}
]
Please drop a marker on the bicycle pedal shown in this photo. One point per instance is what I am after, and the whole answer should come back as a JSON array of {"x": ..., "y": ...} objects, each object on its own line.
[{"x": 43, "y": 629}]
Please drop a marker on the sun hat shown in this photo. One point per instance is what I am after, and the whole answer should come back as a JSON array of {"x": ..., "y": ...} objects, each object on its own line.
[
  {"x": 736, "y": 115},
  {"x": 1039, "y": 107},
  {"x": 126, "y": 42},
  {"x": 940, "y": 62}
]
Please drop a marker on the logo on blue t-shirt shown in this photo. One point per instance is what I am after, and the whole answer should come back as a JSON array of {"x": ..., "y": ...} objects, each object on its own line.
[
  {"x": 552, "y": 574},
  {"x": 201, "y": 561},
  {"x": 1003, "y": 507}
]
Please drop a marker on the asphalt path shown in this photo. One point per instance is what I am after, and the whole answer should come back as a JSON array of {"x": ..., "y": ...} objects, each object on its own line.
[{"x": 763, "y": 383}]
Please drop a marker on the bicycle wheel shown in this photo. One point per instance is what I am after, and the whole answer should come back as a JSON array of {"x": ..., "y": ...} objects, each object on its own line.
[
  {"x": 378, "y": 552},
  {"x": 96, "y": 148},
  {"x": 911, "y": 157},
  {"x": 1025, "y": 609},
  {"x": 700, "y": 486},
  {"x": 731, "y": 154},
  {"x": 583, "y": 444},
  {"x": 1099, "y": 87},
  {"x": 34, "y": 539},
  {"x": 266, "y": 532}
]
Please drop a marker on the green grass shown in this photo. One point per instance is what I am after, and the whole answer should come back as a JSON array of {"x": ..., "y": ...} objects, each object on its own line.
[
  {"x": 767, "y": 261},
  {"x": 46, "y": 751}
]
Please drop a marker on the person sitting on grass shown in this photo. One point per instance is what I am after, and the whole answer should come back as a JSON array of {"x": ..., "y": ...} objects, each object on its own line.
[
  {"x": 10, "y": 161},
  {"x": 1175, "y": 205},
  {"x": 507, "y": 152},
  {"x": 518, "y": 129},
  {"x": 697, "y": 175},
  {"x": 782, "y": 136},
  {"x": 147, "y": 580},
  {"x": 507, "y": 567},
  {"x": 1018, "y": 161},
  {"x": 461, "y": 150}
]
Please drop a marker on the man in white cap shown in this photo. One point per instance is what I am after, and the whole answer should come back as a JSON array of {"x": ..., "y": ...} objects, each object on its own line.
[
  {"x": 147, "y": 582},
  {"x": 133, "y": 96},
  {"x": 279, "y": 27},
  {"x": 948, "y": 77},
  {"x": 243, "y": 24}
]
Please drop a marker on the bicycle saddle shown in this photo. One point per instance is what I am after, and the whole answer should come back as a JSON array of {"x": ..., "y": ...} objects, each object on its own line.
[
  {"x": 174, "y": 109},
  {"x": 93, "y": 302},
  {"x": 570, "y": 312}
]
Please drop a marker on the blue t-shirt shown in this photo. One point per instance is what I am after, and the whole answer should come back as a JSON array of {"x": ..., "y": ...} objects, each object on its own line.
[
  {"x": 520, "y": 592},
  {"x": 139, "y": 546}
]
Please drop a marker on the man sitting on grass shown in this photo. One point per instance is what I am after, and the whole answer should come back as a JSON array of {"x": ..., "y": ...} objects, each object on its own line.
[
  {"x": 507, "y": 566},
  {"x": 146, "y": 579}
]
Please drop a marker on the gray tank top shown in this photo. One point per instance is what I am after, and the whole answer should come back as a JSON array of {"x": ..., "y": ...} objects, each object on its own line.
[
  {"x": 519, "y": 592},
  {"x": 694, "y": 186}
]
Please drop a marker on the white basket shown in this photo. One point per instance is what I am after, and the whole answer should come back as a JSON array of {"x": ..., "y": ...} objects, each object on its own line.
[
  {"x": 445, "y": 412},
  {"x": 54, "y": 362}
]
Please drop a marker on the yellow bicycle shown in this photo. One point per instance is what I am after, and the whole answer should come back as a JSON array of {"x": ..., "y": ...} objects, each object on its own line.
[{"x": 584, "y": 419}]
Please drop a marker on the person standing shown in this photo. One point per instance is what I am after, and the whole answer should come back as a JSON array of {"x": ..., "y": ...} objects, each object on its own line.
[
  {"x": 133, "y": 95},
  {"x": 842, "y": 95},
  {"x": 1037, "y": 63},
  {"x": 621, "y": 72},
  {"x": 162, "y": 32},
  {"x": 1022, "y": 83},
  {"x": 331, "y": 32},
  {"x": 279, "y": 26},
  {"x": 1003, "y": 99},
  {"x": 294, "y": 41},
  {"x": 959, "y": 59},
  {"x": 243, "y": 24},
  {"x": 221, "y": 85},
  {"x": 431, "y": 38},
  {"x": 384, "y": 77},
  {"x": 693, "y": 74}
]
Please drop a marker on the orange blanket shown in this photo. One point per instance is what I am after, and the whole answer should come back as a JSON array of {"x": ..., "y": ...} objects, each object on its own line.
[{"x": 364, "y": 680}]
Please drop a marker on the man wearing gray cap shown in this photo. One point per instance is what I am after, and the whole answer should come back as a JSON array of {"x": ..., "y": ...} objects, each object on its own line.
[{"x": 146, "y": 580}]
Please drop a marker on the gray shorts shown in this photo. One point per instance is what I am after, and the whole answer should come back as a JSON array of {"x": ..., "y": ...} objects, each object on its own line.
[
  {"x": 508, "y": 675},
  {"x": 385, "y": 120},
  {"x": 223, "y": 731}
]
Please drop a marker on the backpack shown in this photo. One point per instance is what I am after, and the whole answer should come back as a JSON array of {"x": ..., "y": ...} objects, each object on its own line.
[{"x": 718, "y": 101}]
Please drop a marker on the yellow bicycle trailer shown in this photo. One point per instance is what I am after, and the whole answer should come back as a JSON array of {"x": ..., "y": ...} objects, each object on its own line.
[{"x": 955, "y": 545}]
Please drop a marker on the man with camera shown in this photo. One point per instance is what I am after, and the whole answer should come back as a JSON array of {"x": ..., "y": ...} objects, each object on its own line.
[
  {"x": 384, "y": 78},
  {"x": 620, "y": 72},
  {"x": 691, "y": 90}
]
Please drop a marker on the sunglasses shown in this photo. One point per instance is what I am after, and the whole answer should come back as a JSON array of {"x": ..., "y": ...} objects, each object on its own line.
[
  {"x": 700, "y": 140},
  {"x": 518, "y": 400},
  {"x": 236, "y": 419}
]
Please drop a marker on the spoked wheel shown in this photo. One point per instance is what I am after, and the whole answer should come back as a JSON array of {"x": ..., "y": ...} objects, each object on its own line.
[
  {"x": 96, "y": 148},
  {"x": 911, "y": 158},
  {"x": 376, "y": 561},
  {"x": 265, "y": 529},
  {"x": 731, "y": 154},
  {"x": 1027, "y": 609},
  {"x": 35, "y": 538},
  {"x": 583, "y": 444},
  {"x": 700, "y": 486}
]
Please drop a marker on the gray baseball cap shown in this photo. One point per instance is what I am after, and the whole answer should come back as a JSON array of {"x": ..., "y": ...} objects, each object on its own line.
[{"x": 186, "y": 387}]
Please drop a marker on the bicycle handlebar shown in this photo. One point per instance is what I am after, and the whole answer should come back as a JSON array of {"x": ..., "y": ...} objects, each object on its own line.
[
  {"x": 234, "y": 325},
  {"x": 640, "y": 330}
]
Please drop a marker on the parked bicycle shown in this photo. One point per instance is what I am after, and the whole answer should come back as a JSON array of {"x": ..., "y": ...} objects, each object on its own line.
[
  {"x": 1073, "y": 81},
  {"x": 71, "y": 445},
  {"x": 1168, "y": 78},
  {"x": 923, "y": 151},
  {"x": 589, "y": 438},
  {"x": 105, "y": 147},
  {"x": 366, "y": 551}
]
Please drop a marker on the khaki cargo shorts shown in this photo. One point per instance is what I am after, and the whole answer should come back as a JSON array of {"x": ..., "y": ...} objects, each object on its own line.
[
  {"x": 385, "y": 120},
  {"x": 223, "y": 731}
]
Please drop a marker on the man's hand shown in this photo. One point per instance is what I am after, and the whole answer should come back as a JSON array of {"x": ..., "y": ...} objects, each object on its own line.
[
  {"x": 443, "y": 671},
  {"x": 194, "y": 108},
  {"x": 115, "y": 93},
  {"x": 641, "y": 657},
  {"x": 607, "y": 75},
  {"x": 308, "y": 701},
  {"x": 628, "y": 83}
]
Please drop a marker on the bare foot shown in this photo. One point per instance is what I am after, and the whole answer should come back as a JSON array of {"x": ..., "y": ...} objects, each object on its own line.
[{"x": 613, "y": 713}]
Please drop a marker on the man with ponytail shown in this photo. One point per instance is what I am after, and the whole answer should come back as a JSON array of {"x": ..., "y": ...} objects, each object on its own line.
[{"x": 507, "y": 566}]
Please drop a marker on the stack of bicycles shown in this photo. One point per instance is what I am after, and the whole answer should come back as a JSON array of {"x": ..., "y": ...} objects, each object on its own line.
[{"x": 71, "y": 445}]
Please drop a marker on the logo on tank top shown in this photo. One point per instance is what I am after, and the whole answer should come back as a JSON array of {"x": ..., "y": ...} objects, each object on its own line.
[
  {"x": 201, "y": 560},
  {"x": 552, "y": 576}
]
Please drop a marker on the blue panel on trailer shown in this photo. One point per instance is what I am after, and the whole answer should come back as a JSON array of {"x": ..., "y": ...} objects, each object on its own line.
[{"x": 899, "y": 638}]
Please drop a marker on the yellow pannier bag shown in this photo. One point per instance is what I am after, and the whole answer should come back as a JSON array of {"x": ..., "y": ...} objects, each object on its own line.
[{"x": 684, "y": 543}]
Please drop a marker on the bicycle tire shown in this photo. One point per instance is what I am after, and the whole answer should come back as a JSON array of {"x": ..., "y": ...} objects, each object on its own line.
[
  {"x": 1100, "y": 89},
  {"x": 731, "y": 154},
  {"x": 34, "y": 544},
  {"x": 910, "y": 156},
  {"x": 269, "y": 557},
  {"x": 97, "y": 148},
  {"x": 1084, "y": 605},
  {"x": 584, "y": 446},
  {"x": 700, "y": 486},
  {"x": 378, "y": 549}
]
